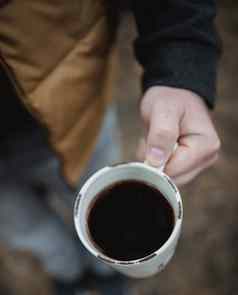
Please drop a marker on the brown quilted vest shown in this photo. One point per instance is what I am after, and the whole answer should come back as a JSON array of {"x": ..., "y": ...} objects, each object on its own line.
[{"x": 58, "y": 55}]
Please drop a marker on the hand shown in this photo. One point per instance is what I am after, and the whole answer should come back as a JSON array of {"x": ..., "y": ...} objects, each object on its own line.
[{"x": 175, "y": 115}]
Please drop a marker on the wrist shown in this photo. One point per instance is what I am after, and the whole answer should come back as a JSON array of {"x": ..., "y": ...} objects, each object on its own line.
[{"x": 178, "y": 98}]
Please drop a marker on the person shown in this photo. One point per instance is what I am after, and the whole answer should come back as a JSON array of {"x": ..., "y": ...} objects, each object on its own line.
[{"x": 57, "y": 62}]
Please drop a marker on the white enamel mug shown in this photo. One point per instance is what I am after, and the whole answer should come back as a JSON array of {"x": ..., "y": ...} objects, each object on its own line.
[{"x": 145, "y": 266}]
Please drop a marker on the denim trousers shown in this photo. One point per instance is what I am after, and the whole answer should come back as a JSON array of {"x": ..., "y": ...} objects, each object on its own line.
[{"x": 36, "y": 212}]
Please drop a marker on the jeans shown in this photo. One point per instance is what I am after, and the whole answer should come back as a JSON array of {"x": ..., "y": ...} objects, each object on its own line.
[{"x": 37, "y": 206}]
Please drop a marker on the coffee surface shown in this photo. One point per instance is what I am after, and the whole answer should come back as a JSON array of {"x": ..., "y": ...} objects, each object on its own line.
[{"x": 130, "y": 220}]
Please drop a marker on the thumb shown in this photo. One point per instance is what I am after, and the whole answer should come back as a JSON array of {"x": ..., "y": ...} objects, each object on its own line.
[{"x": 162, "y": 135}]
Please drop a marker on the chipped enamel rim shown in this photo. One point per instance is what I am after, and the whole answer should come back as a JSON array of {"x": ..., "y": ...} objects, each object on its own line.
[{"x": 90, "y": 245}]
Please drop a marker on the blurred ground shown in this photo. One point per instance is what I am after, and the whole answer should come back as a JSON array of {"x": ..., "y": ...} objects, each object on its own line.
[{"x": 207, "y": 258}]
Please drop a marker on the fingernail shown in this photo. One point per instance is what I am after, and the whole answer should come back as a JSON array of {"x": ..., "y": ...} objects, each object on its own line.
[{"x": 156, "y": 156}]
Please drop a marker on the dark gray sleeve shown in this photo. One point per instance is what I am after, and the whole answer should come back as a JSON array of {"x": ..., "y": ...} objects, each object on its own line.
[{"x": 178, "y": 45}]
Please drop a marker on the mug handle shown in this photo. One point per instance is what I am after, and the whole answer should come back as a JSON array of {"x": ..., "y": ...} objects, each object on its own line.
[{"x": 161, "y": 168}]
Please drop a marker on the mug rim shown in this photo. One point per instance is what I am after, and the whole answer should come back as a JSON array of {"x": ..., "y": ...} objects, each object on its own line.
[{"x": 102, "y": 256}]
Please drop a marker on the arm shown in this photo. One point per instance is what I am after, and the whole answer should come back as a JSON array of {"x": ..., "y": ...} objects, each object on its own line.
[
  {"x": 178, "y": 48},
  {"x": 178, "y": 44}
]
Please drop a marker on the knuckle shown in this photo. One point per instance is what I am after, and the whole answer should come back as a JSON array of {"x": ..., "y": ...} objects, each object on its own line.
[
  {"x": 214, "y": 160},
  {"x": 215, "y": 145}
]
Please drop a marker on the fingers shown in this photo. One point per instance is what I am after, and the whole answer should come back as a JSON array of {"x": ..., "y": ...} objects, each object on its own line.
[
  {"x": 175, "y": 115},
  {"x": 193, "y": 151},
  {"x": 187, "y": 177},
  {"x": 162, "y": 136},
  {"x": 192, "y": 169}
]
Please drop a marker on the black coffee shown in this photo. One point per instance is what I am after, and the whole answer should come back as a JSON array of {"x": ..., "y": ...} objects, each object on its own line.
[{"x": 130, "y": 220}]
